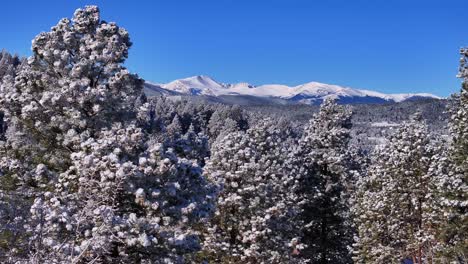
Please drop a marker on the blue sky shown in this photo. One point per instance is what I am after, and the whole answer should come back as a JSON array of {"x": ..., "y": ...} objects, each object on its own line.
[{"x": 390, "y": 46}]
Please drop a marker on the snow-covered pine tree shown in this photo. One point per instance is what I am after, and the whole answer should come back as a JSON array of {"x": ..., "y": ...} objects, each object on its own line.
[
  {"x": 174, "y": 129},
  {"x": 191, "y": 145},
  {"x": 74, "y": 73},
  {"x": 8, "y": 64},
  {"x": 149, "y": 202},
  {"x": 217, "y": 124},
  {"x": 325, "y": 171},
  {"x": 101, "y": 190},
  {"x": 256, "y": 202},
  {"x": 73, "y": 83},
  {"x": 454, "y": 180},
  {"x": 397, "y": 210},
  {"x": 226, "y": 119}
]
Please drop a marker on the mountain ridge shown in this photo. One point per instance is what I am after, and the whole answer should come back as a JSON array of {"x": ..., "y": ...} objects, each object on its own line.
[{"x": 308, "y": 93}]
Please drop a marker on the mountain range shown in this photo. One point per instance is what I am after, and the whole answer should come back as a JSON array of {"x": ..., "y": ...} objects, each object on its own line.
[{"x": 308, "y": 93}]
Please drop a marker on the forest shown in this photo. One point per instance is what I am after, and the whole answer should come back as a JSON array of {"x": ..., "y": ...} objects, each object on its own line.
[{"x": 93, "y": 170}]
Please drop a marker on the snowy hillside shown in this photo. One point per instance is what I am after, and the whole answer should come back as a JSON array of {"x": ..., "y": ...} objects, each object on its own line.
[{"x": 309, "y": 93}]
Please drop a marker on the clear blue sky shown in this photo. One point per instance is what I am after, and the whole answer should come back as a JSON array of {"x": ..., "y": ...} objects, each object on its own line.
[{"x": 385, "y": 45}]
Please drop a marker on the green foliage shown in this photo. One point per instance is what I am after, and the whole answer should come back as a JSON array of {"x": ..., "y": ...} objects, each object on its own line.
[{"x": 454, "y": 186}]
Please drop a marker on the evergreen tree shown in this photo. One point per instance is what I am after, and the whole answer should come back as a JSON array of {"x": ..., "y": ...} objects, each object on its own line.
[
  {"x": 453, "y": 180},
  {"x": 397, "y": 208},
  {"x": 325, "y": 171},
  {"x": 192, "y": 146},
  {"x": 95, "y": 188},
  {"x": 174, "y": 130},
  {"x": 256, "y": 202},
  {"x": 8, "y": 64}
]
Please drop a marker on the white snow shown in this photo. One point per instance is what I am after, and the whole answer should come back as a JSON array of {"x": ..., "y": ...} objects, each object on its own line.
[
  {"x": 205, "y": 85},
  {"x": 384, "y": 124}
]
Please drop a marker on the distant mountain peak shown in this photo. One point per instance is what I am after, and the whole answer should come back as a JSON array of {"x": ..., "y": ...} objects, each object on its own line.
[{"x": 308, "y": 93}]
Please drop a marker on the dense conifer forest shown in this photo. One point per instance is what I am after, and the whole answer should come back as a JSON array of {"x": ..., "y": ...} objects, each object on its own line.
[{"x": 93, "y": 170}]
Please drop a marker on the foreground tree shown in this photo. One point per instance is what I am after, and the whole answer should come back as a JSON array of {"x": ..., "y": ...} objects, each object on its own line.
[
  {"x": 325, "y": 171},
  {"x": 454, "y": 174},
  {"x": 101, "y": 190},
  {"x": 256, "y": 202},
  {"x": 397, "y": 209}
]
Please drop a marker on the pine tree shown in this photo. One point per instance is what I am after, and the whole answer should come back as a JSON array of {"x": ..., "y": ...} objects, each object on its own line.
[
  {"x": 74, "y": 83},
  {"x": 192, "y": 146},
  {"x": 216, "y": 124},
  {"x": 95, "y": 187},
  {"x": 325, "y": 171},
  {"x": 256, "y": 202},
  {"x": 5, "y": 62},
  {"x": 174, "y": 130},
  {"x": 397, "y": 208},
  {"x": 453, "y": 181}
]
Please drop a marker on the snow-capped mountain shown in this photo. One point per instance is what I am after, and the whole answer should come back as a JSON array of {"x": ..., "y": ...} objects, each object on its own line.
[{"x": 309, "y": 93}]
